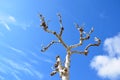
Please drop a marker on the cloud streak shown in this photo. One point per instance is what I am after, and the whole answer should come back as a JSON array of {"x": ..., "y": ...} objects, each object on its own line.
[
  {"x": 17, "y": 50},
  {"x": 48, "y": 60},
  {"x": 16, "y": 64},
  {"x": 8, "y": 20},
  {"x": 5, "y": 25},
  {"x": 108, "y": 66},
  {"x": 11, "y": 18}
]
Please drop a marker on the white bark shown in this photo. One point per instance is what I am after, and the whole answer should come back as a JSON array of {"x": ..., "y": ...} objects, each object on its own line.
[
  {"x": 65, "y": 77},
  {"x": 67, "y": 66}
]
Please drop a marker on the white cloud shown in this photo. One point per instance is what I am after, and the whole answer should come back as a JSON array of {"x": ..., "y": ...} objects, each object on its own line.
[
  {"x": 5, "y": 25},
  {"x": 16, "y": 76},
  {"x": 48, "y": 61},
  {"x": 108, "y": 66},
  {"x": 39, "y": 75},
  {"x": 16, "y": 64},
  {"x": 112, "y": 45},
  {"x": 1, "y": 68},
  {"x": 34, "y": 72},
  {"x": 16, "y": 50},
  {"x": 25, "y": 68},
  {"x": 7, "y": 20},
  {"x": 11, "y": 18}
]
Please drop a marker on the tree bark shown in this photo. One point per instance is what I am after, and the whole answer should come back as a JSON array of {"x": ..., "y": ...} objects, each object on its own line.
[{"x": 66, "y": 73}]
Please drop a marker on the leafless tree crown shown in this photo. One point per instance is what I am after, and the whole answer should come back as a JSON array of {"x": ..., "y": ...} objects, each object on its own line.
[{"x": 63, "y": 70}]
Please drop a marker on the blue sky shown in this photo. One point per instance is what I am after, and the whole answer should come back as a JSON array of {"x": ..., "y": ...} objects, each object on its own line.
[{"x": 21, "y": 38}]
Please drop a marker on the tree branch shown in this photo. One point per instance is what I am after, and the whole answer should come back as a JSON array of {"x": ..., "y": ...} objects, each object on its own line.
[
  {"x": 53, "y": 73},
  {"x": 51, "y": 43},
  {"x": 81, "y": 30},
  {"x": 96, "y": 44},
  {"x": 45, "y": 28},
  {"x": 58, "y": 67},
  {"x": 85, "y": 52},
  {"x": 87, "y": 47},
  {"x": 61, "y": 25}
]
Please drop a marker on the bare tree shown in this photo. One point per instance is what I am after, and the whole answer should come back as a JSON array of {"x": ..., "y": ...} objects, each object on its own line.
[{"x": 63, "y": 68}]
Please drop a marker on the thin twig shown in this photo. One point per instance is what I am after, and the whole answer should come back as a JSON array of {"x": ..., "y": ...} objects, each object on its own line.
[
  {"x": 61, "y": 25},
  {"x": 60, "y": 19}
]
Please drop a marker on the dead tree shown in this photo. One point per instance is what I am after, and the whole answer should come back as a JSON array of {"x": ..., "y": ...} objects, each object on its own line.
[{"x": 63, "y": 68}]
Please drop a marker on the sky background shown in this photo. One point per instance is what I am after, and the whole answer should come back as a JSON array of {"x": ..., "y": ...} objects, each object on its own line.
[{"x": 21, "y": 38}]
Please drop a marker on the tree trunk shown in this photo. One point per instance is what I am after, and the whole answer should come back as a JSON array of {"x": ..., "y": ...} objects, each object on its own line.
[{"x": 65, "y": 75}]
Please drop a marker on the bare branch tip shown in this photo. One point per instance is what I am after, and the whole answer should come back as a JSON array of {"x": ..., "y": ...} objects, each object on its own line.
[
  {"x": 43, "y": 50},
  {"x": 96, "y": 39},
  {"x": 86, "y": 52},
  {"x": 92, "y": 29}
]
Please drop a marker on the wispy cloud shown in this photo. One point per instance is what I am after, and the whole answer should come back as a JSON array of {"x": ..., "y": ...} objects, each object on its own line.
[
  {"x": 17, "y": 65},
  {"x": 48, "y": 61},
  {"x": 11, "y": 18},
  {"x": 39, "y": 75},
  {"x": 16, "y": 76},
  {"x": 8, "y": 20},
  {"x": 34, "y": 72},
  {"x": 1, "y": 68},
  {"x": 16, "y": 68},
  {"x": 45, "y": 59},
  {"x": 2, "y": 78},
  {"x": 108, "y": 65},
  {"x": 16, "y": 50},
  {"x": 5, "y": 25}
]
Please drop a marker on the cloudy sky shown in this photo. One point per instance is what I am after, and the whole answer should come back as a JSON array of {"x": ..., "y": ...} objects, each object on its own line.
[{"x": 21, "y": 38}]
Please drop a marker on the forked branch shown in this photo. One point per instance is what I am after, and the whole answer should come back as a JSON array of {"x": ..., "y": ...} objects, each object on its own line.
[
  {"x": 45, "y": 28},
  {"x": 85, "y": 52},
  {"x": 82, "y": 38}
]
